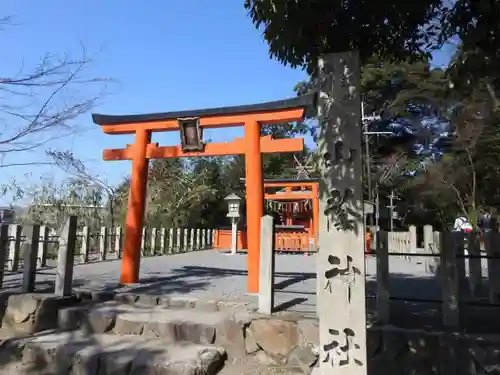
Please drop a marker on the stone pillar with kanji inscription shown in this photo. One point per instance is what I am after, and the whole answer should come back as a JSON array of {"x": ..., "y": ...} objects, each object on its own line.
[{"x": 341, "y": 262}]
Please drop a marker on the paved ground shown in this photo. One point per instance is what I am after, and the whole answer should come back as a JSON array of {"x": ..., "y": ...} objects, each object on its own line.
[{"x": 210, "y": 273}]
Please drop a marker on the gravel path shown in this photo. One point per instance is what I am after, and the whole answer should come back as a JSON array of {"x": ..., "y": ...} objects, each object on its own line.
[{"x": 212, "y": 274}]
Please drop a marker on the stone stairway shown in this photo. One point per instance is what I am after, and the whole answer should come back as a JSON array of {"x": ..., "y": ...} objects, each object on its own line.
[{"x": 141, "y": 334}]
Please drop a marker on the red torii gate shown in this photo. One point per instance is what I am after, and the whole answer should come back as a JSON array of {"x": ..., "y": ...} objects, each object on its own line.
[{"x": 191, "y": 125}]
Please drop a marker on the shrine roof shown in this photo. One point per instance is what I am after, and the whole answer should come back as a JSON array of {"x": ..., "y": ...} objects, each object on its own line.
[{"x": 305, "y": 101}]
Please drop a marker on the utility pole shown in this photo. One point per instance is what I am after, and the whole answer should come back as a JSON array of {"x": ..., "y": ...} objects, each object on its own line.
[
  {"x": 366, "y": 133},
  {"x": 391, "y": 207},
  {"x": 377, "y": 215}
]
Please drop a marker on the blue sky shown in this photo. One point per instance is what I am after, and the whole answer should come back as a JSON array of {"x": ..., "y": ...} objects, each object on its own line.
[{"x": 163, "y": 55}]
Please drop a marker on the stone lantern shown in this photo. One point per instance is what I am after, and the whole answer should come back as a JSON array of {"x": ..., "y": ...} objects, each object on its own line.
[{"x": 233, "y": 212}]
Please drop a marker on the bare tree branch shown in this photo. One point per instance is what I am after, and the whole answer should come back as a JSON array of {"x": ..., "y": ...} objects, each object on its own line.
[{"x": 40, "y": 103}]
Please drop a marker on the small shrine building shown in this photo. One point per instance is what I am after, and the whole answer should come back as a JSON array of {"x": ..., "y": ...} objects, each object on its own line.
[{"x": 294, "y": 203}]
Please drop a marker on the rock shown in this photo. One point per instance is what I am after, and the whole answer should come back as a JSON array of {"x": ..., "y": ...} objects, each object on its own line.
[
  {"x": 71, "y": 317},
  {"x": 46, "y": 316},
  {"x": 147, "y": 300},
  {"x": 250, "y": 343},
  {"x": 102, "y": 296},
  {"x": 34, "y": 312},
  {"x": 309, "y": 331},
  {"x": 275, "y": 337},
  {"x": 265, "y": 359},
  {"x": 81, "y": 353},
  {"x": 130, "y": 324},
  {"x": 100, "y": 320},
  {"x": 83, "y": 295},
  {"x": 177, "y": 331},
  {"x": 86, "y": 361},
  {"x": 231, "y": 335},
  {"x": 21, "y": 307},
  {"x": 289, "y": 316},
  {"x": 302, "y": 357},
  {"x": 180, "y": 359},
  {"x": 117, "y": 363},
  {"x": 11, "y": 351},
  {"x": 187, "y": 324},
  {"x": 212, "y": 360},
  {"x": 126, "y": 298},
  {"x": 182, "y": 302},
  {"x": 231, "y": 332},
  {"x": 4, "y": 297},
  {"x": 207, "y": 305},
  {"x": 222, "y": 305}
]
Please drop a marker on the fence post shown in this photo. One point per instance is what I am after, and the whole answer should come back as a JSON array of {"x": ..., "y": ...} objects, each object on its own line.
[
  {"x": 14, "y": 246},
  {"x": 210, "y": 238},
  {"x": 436, "y": 246},
  {"x": 191, "y": 239},
  {"x": 30, "y": 252},
  {"x": 103, "y": 243},
  {"x": 460, "y": 259},
  {"x": 163, "y": 240},
  {"x": 198, "y": 239},
  {"x": 43, "y": 246},
  {"x": 178, "y": 240},
  {"x": 383, "y": 296},
  {"x": 491, "y": 244},
  {"x": 154, "y": 235},
  {"x": 413, "y": 241},
  {"x": 266, "y": 274},
  {"x": 118, "y": 242},
  {"x": 185, "y": 240},
  {"x": 449, "y": 278},
  {"x": 203, "y": 239},
  {"x": 65, "y": 257},
  {"x": 143, "y": 241},
  {"x": 171, "y": 240},
  {"x": 84, "y": 252},
  {"x": 475, "y": 272},
  {"x": 4, "y": 243},
  {"x": 428, "y": 247}
]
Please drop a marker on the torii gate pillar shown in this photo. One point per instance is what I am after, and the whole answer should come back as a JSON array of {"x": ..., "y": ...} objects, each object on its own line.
[
  {"x": 136, "y": 207},
  {"x": 255, "y": 200}
]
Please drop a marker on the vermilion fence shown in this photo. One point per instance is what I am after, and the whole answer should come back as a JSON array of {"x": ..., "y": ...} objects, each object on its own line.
[{"x": 293, "y": 241}]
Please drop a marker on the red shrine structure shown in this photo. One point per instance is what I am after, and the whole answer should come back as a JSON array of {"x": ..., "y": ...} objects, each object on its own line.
[{"x": 294, "y": 203}]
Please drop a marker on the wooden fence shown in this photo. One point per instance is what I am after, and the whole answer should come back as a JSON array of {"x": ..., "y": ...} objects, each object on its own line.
[
  {"x": 99, "y": 245},
  {"x": 455, "y": 258}
]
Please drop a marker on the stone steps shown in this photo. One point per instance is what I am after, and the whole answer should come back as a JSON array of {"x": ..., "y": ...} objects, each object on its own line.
[
  {"x": 150, "y": 335},
  {"x": 224, "y": 327},
  {"x": 76, "y": 352}
]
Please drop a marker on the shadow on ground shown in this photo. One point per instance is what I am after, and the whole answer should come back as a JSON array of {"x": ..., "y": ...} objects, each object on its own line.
[{"x": 415, "y": 300}]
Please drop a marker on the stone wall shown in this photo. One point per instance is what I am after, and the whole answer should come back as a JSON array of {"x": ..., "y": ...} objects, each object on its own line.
[
  {"x": 283, "y": 341},
  {"x": 33, "y": 312}
]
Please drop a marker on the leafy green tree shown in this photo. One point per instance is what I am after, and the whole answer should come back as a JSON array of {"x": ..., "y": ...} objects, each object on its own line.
[{"x": 298, "y": 32}]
